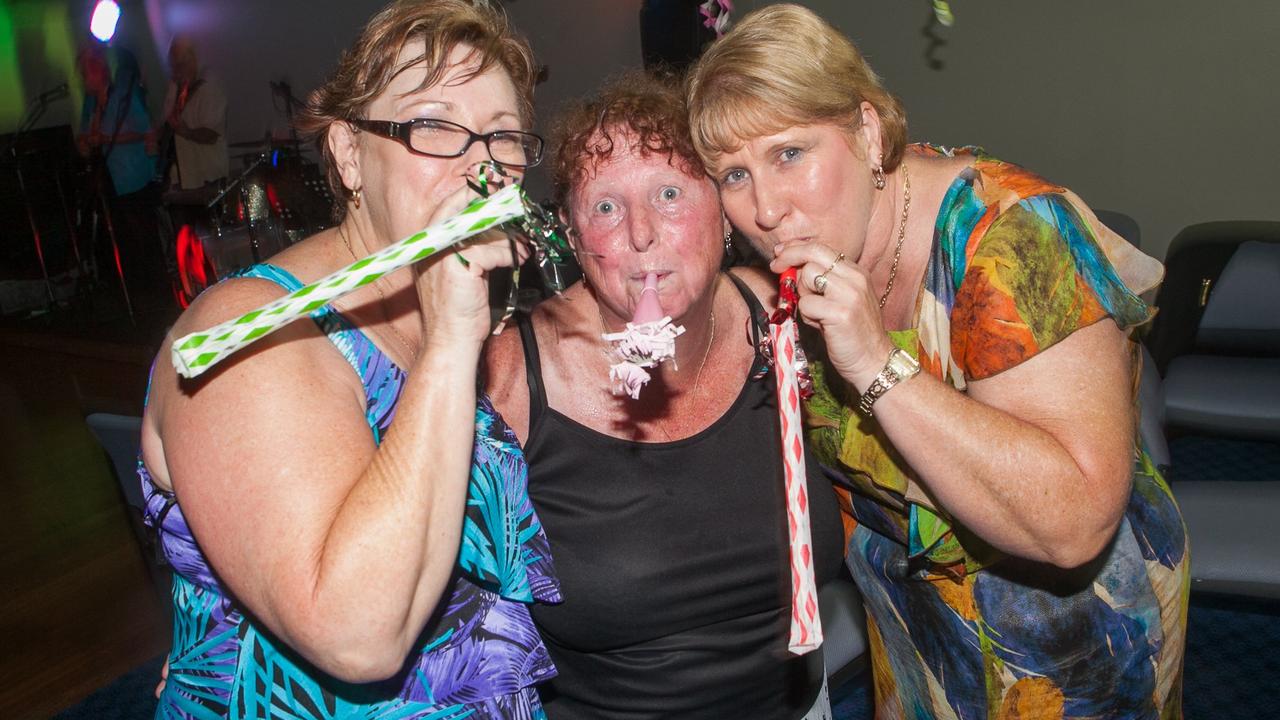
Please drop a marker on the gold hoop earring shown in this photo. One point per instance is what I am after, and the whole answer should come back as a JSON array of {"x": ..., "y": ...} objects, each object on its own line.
[
  {"x": 355, "y": 197},
  {"x": 877, "y": 176}
]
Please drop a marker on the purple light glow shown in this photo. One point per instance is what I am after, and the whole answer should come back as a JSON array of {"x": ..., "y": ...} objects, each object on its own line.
[{"x": 105, "y": 15}]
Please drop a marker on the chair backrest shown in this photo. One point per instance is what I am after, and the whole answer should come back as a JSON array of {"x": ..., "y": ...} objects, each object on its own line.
[
  {"x": 1243, "y": 313},
  {"x": 844, "y": 628},
  {"x": 1196, "y": 259},
  {"x": 120, "y": 436},
  {"x": 1123, "y": 225},
  {"x": 1151, "y": 420}
]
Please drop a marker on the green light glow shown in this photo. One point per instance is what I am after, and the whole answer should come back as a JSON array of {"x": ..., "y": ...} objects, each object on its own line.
[
  {"x": 60, "y": 52},
  {"x": 39, "y": 33},
  {"x": 11, "y": 94}
]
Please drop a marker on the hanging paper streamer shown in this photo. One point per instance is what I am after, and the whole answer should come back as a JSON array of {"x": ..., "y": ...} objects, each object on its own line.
[
  {"x": 806, "y": 625},
  {"x": 715, "y": 15},
  {"x": 650, "y": 339},
  {"x": 197, "y": 352},
  {"x": 942, "y": 11},
  {"x": 539, "y": 226}
]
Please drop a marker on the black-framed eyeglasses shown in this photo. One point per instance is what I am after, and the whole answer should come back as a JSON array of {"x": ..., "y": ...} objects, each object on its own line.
[{"x": 444, "y": 139}]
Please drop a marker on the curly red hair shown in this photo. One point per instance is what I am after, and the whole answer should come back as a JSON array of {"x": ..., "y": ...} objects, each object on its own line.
[{"x": 646, "y": 112}]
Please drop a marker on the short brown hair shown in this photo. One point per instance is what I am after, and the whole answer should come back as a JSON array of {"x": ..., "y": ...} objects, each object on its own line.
[
  {"x": 649, "y": 109},
  {"x": 779, "y": 67},
  {"x": 366, "y": 68}
]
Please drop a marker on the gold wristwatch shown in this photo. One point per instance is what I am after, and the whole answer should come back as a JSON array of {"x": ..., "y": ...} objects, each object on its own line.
[{"x": 899, "y": 367}]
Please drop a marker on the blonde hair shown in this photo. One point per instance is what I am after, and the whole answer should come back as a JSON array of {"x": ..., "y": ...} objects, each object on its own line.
[
  {"x": 366, "y": 69},
  {"x": 783, "y": 66}
]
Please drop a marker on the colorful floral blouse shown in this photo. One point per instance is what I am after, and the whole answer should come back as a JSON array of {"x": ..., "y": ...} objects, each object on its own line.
[
  {"x": 955, "y": 629},
  {"x": 480, "y": 659}
]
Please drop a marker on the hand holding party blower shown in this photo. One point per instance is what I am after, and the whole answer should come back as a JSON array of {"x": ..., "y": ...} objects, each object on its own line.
[{"x": 507, "y": 208}]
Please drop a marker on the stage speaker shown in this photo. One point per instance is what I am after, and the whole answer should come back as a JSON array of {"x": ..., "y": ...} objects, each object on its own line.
[{"x": 44, "y": 160}]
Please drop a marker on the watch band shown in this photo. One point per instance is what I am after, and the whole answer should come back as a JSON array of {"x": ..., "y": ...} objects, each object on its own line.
[{"x": 900, "y": 366}]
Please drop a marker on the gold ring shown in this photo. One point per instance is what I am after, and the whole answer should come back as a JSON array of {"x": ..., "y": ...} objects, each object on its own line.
[{"x": 820, "y": 284}]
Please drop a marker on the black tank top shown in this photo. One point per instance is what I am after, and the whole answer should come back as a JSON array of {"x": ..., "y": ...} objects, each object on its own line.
[{"x": 673, "y": 562}]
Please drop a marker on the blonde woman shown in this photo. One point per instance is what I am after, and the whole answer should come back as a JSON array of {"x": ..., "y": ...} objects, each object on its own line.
[{"x": 1018, "y": 553}]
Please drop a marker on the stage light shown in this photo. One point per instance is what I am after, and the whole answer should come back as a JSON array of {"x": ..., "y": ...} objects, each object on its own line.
[{"x": 105, "y": 16}]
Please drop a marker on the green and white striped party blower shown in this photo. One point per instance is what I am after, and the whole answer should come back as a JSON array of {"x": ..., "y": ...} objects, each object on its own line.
[{"x": 199, "y": 351}]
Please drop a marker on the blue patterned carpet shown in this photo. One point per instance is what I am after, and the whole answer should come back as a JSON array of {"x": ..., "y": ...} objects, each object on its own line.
[
  {"x": 128, "y": 697},
  {"x": 1211, "y": 458},
  {"x": 1233, "y": 659},
  {"x": 855, "y": 700}
]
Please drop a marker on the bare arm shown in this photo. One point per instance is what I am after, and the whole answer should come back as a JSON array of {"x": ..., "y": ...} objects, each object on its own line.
[
  {"x": 341, "y": 547},
  {"x": 1036, "y": 460}
]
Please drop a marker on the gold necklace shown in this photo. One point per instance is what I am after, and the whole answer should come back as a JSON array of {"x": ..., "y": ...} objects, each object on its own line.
[
  {"x": 705, "y": 353},
  {"x": 697, "y": 378},
  {"x": 902, "y": 233},
  {"x": 413, "y": 353}
]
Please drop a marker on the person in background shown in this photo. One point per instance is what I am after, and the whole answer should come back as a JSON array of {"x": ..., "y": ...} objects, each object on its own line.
[
  {"x": 345, "y": 513},
  {"x": 1018, "y": 553},
  {"x": 113, "y": 141},
  {"x": 195, "y": 117},
  {"x": 666, "y": 513}
]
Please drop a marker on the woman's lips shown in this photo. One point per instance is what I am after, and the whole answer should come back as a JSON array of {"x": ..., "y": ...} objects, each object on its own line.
[{"x": 640, "y": 276}]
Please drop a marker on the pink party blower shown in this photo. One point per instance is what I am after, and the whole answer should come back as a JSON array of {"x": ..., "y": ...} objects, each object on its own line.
[
  {"x": 649, "y": 339},
  {"x": 649, "y": 309}
]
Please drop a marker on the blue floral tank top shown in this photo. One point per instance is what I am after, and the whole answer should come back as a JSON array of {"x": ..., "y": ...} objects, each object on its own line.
[{"x": 479, "y": 661}]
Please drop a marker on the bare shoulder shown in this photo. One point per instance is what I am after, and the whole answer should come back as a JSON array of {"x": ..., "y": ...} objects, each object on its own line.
[
  {"x": 503, "y": 364},
  {"x": 503, "y": 369},
  {"x": 761, "y": 282},
  {"x": 298, "y": 353},
  {"x": 229, "y": 299},
  {"x": 930, "y": 171}
]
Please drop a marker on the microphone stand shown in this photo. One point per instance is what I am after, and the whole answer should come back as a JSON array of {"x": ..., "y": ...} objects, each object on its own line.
[
  {"x": 33, "y": 116},
  {"x": 121, "y": 113}
]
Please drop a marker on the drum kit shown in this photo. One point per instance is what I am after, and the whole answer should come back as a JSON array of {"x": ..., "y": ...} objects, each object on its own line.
[{"x": 274, "y": 199}]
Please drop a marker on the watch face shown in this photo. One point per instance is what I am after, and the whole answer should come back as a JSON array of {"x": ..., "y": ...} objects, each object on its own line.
[{"x": 903, "y": 365}]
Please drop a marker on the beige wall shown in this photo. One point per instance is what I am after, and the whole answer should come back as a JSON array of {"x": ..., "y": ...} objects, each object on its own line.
[
  {"x": 250, "y": 42},
  {"x": 1167, "y": 111}
]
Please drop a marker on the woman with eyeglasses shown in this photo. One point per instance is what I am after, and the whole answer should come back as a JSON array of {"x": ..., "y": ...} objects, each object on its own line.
[{"x": 329, "y": 562}]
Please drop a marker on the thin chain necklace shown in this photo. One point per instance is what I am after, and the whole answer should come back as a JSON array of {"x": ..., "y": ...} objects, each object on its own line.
[
  {"x": 902, "y": 233},
  {"x": 710, "y": 340},
  {"x": 413, "y": 353},
  {"x": 705, "y": 353}
]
